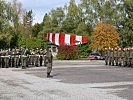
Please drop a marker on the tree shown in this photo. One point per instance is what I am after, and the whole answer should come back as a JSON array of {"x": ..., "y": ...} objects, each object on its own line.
[
  {"x": 5, "y": 28},
  {"x": 36, "y": 29},
  {"x": 127, "y": 28},
  {"x": 104, "y": 36},
  {"x": 57, "y": 17},
  {"x": 27, "y": 24},
  {"x": 72, "y": 19},
  {"x": 47, "y": 26}
]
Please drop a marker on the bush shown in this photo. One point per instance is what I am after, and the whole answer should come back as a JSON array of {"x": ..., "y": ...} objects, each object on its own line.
[{"x": 67, "y": 53}]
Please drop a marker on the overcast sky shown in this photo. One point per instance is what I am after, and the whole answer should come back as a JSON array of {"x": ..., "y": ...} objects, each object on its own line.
[{"x": 40, "y": 7}]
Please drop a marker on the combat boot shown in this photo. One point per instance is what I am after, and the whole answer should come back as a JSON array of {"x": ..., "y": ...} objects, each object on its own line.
[{"x": 49, "y": 76}]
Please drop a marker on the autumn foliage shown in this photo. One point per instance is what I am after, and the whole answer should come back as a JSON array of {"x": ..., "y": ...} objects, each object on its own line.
[
  {"x": 104, "y": 36},
  {"x": 67, "y": 52}
]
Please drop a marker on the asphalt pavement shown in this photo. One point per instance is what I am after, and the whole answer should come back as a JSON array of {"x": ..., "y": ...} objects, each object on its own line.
[{"x": 72, "y": 80}]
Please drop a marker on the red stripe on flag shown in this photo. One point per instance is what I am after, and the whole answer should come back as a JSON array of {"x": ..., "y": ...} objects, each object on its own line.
[
  {"x": 61, "y": 38},
  {"x": 53, "y": 38},
  {"x": 84, "y": 39},
  {"x": 47, "y": 36},
  {"x": 72, "y": 39}
]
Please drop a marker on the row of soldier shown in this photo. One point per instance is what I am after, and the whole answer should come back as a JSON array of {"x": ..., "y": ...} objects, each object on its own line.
[
  {"x": 22, "y": 58},
  {"x": 119, "y": 57}
]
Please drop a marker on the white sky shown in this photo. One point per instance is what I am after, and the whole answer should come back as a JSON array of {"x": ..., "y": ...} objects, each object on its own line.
[{"x": 40, "y": 7}]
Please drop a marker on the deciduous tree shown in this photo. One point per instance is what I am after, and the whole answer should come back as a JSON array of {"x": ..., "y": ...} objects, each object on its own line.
[{"x": 104, "y": 36}]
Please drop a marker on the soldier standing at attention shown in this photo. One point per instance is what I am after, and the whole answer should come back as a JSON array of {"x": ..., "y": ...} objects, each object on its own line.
[
  {"x": 109, "y": 56},
  {"x": 116, "y": 56},
  {"x": 106, "y": 56},
  {"x": 119, "y": 56},
  {"x": 132, "y": 57},
  {"x": 50, "y": 60},
  {"x": 112, "y": 57}
]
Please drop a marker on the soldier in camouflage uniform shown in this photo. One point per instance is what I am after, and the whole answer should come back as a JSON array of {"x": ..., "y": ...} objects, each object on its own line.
[
  {"x": 106, "y": 56},
  {"x": 125, "y": 57},
  {"x": 116, "y": 56},
  {"x": 24, "y": 58},
  {"x": 128, "y": 57},
  {"x": 132, "y": 57},
  {"x": 50, "y": 61},
  {"x": 112, "y": 57},
  {"x": 119, "y": 56},
  {"x": 41, "y": 57},
  {"x": 109, "y": 56},
  {"x": 44, "y": 57},
  {"x": 37, "y": 58}
]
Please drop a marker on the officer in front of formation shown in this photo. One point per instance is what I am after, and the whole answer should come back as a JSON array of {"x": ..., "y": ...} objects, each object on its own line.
[{"x": 49, "y": 58}]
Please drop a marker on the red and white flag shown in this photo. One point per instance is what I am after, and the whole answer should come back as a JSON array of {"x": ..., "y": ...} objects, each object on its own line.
[{"x": 66, "y": 39}]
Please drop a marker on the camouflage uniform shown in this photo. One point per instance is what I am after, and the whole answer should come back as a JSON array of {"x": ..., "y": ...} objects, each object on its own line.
[
  {"x": 24, "y": 59},
  {"x": 106, "y": 57},
  {"x": 41, "y": 57},
  {"x": 119, "y": 57},
  {"x": 129, "y": 58},
  {"x": 112, "y": 57},
  {"x": 125, "y": 58},
  {"x": 109, "y": 57},
  {"x": 132, "y": 57},
  {"x": 116, "y": 57},
  {"x": 37, "y": 58},
  {"x": 50, "y": 60}
]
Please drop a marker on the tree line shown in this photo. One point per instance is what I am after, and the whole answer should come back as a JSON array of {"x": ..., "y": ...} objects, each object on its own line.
[{"x": 100, "y": 20}]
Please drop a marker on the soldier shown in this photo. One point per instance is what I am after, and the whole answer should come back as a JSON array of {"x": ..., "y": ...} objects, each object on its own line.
[
  {"x": 109, "y": 56},
  {"x": 24, "y": 58},
  {"x": 112, "y": 57},
  {"x": 37, "y": 58},
  {"x": 2, "y": 59},
  {"x": 50, "y": 60},
  {"x": 116, "y": 56},
  {"x": 124, "y": 57},
  {"x": 16, "y": 58},
  {"x": 7, "y": 57},
  {"x": 132, "y": 57},
  {"x": 41, "y": 57},
  {"x": 106, "y": 56},
  {"x": 119, "y": 56},
  {"x": 128, "y": 57},
  {"x": 32, "y": 57},
  {"x": 44, "y": 57}
]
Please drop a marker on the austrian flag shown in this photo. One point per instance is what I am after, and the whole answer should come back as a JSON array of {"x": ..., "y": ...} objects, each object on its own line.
[{"x": 66, "y": 39}]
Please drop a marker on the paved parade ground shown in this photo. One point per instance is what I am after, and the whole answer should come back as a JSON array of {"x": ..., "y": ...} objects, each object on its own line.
[{"x": 73, "y": 80}]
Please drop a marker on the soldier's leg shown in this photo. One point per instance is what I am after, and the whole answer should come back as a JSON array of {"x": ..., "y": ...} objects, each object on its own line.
[
  {"x": 0, "y": 62},
  {"x": 106, "y": 60},
  {"x": 23, "y": 63},
  {"x": 124, "y": 62},
  {"x": 7, "y": 62},
  {"x": 109, "y": 60},
  {"x": 27, "y": 62},
  {"x": 45, "y": 61},
  {"x": 120, "y": 61},
  {"x": 112, "y": 61},
  {"x": 36, "y": 61},
  {"x": 49, "y": 69},
  {"x": 3, "y": 63},
  {"x": 41, "y": 59}
]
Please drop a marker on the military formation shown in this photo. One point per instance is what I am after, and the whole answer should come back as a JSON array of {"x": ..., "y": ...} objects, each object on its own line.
[
  {"x": 25, "y": 58},
  {"x": 119, "y": 57}
]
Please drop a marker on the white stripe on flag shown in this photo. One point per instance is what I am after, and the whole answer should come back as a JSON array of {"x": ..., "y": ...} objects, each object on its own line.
[
  {"x": 57, "y": 38},
  {"x": 78, "y": 40},
  {"x": 67, "y": 39},
  {"x": 50, "y": 37}
]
